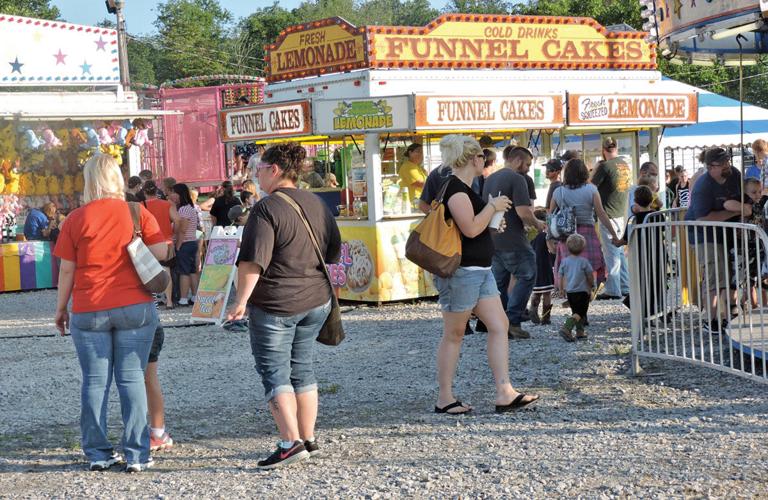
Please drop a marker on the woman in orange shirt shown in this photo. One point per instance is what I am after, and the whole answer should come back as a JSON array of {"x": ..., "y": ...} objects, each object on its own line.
[
  {"x": 113, "y": 317},
  {"x": 167, "y": 216}
]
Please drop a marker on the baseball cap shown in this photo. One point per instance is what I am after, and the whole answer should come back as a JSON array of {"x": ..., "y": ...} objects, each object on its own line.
[
  {"x": 715, "y": 155},
  {"x": 609, "y": 143},
  {"x": 553, "y": 165}
]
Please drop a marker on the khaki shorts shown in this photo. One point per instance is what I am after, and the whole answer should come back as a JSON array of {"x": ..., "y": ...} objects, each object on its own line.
[{"x": 717, "y": 268}]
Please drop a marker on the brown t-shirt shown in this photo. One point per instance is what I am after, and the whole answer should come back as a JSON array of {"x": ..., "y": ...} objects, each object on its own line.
[{"x": 275, "y": 238}]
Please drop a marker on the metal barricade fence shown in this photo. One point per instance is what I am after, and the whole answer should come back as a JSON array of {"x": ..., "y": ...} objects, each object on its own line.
[{"x": 697, "y": 293}]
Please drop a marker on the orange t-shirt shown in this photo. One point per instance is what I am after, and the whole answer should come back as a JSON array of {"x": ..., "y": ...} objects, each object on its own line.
[
  {"x": 161, "y": 209},
  {"x": 95, "y": 237}
]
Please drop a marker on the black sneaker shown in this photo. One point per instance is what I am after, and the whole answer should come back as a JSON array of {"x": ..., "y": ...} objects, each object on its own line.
[
  {"x": 715, "y": 327},
  {"x": 311, "y": 447},
  {"x": 281, "y": 456},
  {"x": 468, "y": 329},
  {"x": 480, "y": 327}
]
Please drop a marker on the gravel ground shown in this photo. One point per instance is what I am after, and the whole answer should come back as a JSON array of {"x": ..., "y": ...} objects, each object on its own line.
[{"x": 596, "y": 433}]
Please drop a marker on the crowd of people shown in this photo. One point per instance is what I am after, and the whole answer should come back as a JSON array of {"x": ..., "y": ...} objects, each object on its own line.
[{"x": 289, "y": 235}]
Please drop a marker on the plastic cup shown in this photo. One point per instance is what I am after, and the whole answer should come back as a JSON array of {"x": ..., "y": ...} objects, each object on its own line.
[
  {"x": 496, "y": 220},
  {"x": 497, "y": 216}
]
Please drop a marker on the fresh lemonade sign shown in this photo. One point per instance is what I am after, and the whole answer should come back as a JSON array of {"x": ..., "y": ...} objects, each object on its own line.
[{"x": 351, "y": 116}]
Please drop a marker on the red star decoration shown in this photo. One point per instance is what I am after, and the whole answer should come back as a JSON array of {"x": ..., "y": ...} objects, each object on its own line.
[
  {"x": 60, "y": 58},
  {"x": 100, "y": 44}
]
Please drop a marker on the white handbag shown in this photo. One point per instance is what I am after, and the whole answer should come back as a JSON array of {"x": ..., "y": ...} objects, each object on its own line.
[{"x": 151, "y": 274}]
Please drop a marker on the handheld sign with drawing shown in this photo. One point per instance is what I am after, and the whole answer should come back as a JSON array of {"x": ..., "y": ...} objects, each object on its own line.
[{"x": 218, "y": 273}]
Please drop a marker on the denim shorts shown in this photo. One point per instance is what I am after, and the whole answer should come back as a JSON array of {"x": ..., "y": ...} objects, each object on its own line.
[
  {"x": 157, "y": 344},
  {"x": 283, "y": 347},
  {"x": 462, "y": 291},
  {"x": 185, "y": 257}
]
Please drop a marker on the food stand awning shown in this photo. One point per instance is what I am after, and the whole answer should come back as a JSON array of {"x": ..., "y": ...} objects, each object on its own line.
[{"x": 42, "y": 106}]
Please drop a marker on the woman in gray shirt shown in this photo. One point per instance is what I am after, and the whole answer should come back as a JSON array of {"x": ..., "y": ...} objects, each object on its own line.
[{"x": 585, "y": 201}]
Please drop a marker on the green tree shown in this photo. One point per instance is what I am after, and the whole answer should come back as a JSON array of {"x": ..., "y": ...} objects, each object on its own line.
[
  {"x": 479, "y": 6},
  {"x": 415, "y": 13},
  {"x": 259, "y": 29},
  {"x": 143, "y": 57},
  {"x": 193, "y": 40},
  {"x": 396, "y": 13},
  {"x": 312, "y": 10},
  {"x": 606, "y": 12},
  {"x": 30, "y": 8}
]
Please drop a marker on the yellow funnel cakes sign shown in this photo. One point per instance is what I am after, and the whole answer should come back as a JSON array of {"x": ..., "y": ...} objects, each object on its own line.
[{"x": 503, "y": 42}]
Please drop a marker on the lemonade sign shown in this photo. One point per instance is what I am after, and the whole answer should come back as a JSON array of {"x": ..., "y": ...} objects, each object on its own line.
[
  {"x": 362, "y": 115},
  {"x": 358, "y": 116}
]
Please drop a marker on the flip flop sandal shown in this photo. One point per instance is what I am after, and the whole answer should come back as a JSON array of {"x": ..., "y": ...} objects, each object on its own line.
[
  {"x": 455, "y": 404},
  {"x": 516, "y": 404}
]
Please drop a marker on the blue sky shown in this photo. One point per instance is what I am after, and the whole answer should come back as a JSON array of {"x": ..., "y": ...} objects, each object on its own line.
[{"x": 139, "y": 14}]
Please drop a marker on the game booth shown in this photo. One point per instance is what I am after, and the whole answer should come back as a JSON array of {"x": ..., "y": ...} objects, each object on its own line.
[
  {"x": 357, "y": 97},
  {"x": 46, "y": 135}
]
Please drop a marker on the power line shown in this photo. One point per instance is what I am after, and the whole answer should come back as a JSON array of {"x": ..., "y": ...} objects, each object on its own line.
[
  {"x": 207, "y": 49},
  {"x": 734, "y": 80},
  {"x": 190, "y": 51}
]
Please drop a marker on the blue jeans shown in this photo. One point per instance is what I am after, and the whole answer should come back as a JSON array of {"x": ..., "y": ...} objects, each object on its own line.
[
  {"x": 114, "y": 342},
  {"x": 521, "y": 264},
  {"x": 616, "y": 267},
  {"x": 283, "y": 347}
]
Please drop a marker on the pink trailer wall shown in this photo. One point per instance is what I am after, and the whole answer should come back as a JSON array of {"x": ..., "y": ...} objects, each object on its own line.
[{"x": 193, "y": 152}]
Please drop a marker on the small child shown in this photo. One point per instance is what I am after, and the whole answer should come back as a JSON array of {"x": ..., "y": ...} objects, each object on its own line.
[
  {"x": 652, "y": 246},
  {"x": 746, "y": 266},
  {"x": 159, "y": 439},
  {"x": 577, "y": 280},
  {"x": 545, "y": 279}
]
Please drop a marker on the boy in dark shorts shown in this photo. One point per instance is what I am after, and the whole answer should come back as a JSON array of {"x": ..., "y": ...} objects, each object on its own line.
[
  {"x": 158, "y": 438},
  {"x": 577, "y": 280}
]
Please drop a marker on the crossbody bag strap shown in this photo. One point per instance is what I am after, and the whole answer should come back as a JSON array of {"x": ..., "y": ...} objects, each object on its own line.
[
  {"x": 312, "y": 237},
  {"x": 562, "y": 196}
]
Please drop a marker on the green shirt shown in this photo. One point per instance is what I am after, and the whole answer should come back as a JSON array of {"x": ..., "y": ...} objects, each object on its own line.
[{"x": 613, "y": 178}]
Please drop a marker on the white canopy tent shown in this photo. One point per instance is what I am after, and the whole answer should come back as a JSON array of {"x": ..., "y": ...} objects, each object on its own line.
[{"x": 718, "y": 124}]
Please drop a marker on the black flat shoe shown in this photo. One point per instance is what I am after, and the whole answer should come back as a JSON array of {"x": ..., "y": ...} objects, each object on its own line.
[
  {"x": 456, "y": 404},
  {"x": 516, "y": 404}
]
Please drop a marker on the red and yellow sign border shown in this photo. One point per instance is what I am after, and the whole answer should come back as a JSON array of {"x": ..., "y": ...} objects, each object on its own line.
[
  {"x": 370, "y": 35},
  {"x": 374, "y": 31},
  {"x": 273, "y": 76}
]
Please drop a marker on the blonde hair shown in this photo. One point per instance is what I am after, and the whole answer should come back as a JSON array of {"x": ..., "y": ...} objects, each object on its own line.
[
  {"x": 193, "y": 194},
  {"x": 457, "y": 150},
  {"x": 103, "y": 179},
  {"x": 575, "y": 244}
]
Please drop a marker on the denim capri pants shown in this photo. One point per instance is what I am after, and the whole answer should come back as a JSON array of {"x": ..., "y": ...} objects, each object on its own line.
[
  {"x": 283, "y": 348},
  {"x": 465, "y": 288},
  {"x": 185, "y": 257}
]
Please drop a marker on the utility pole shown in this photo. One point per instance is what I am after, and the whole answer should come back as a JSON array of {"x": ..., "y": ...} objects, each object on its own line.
[{"x": 116, "y": 7}]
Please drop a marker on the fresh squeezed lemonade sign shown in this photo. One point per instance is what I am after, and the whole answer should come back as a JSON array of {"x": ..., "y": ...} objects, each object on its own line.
[
  {"x": 597, "y": 109},
  {"x": 491, "y": 41}
]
